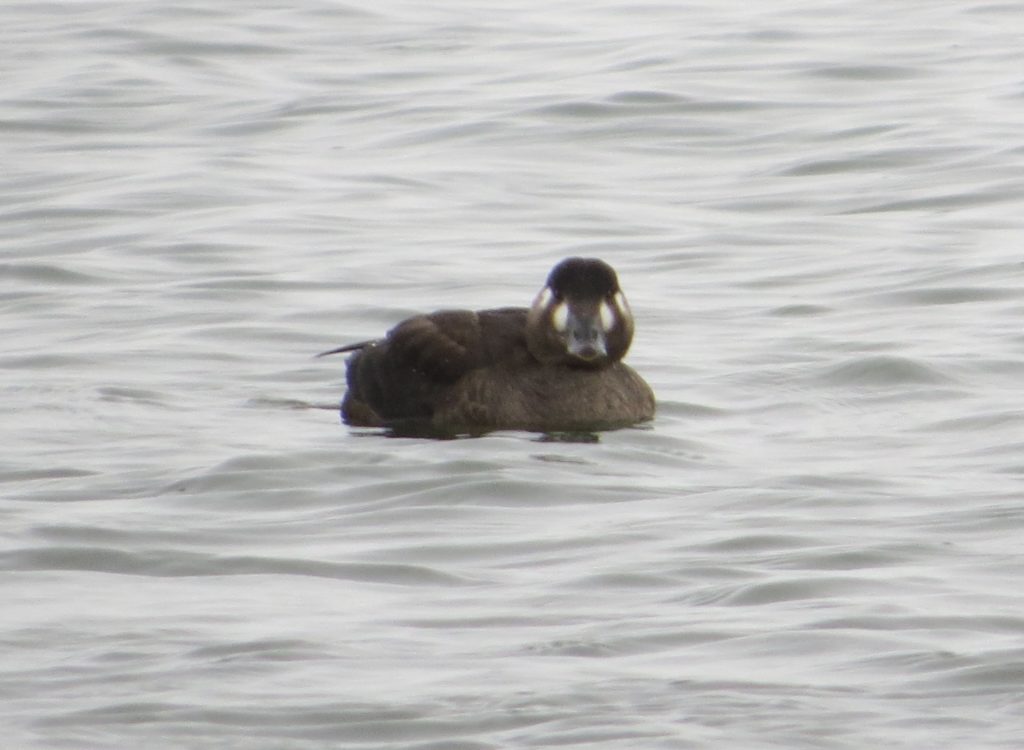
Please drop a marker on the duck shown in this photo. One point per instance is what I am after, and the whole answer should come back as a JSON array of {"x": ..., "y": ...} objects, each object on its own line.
[{"x": 554, "y": 367}]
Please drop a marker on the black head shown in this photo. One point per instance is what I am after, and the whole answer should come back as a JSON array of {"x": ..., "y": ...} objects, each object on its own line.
[
  {"x": 583, "y": 278},
  {"x": 580, "y": 317}
]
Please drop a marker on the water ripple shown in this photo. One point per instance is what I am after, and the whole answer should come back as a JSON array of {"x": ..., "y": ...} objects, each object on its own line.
[{"x": 814, "y": 545}]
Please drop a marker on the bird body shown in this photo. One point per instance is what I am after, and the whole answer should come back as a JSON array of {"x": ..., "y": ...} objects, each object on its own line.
[{"x": 553, "y": 367}]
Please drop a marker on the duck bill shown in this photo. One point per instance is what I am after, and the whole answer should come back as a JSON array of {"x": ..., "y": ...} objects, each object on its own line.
[{"x": 585, "y": 337}]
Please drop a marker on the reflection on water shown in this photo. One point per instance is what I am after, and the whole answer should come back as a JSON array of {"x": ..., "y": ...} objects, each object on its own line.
[{"x": 568, "y": 437}]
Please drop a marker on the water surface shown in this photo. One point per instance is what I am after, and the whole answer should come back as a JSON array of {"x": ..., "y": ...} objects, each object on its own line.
[{"x": 814, "y": 210}]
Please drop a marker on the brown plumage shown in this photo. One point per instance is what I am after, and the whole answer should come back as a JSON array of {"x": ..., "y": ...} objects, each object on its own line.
[{"x": 555, "y": 367}]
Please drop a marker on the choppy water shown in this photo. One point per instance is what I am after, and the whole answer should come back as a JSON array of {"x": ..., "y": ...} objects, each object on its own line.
[{"x": 815, "y": 209}]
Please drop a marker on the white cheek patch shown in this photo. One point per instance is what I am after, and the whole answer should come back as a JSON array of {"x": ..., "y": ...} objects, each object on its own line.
[
  {"x": 560, "y": 317},
  {"x": 623, "y": 307},
  {"x": 608, "y": 317},
  {"x": 544, "y": 298}
]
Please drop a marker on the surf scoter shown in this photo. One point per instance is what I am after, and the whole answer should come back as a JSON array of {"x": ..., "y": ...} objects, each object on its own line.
[{"x": 553, "y": 367}]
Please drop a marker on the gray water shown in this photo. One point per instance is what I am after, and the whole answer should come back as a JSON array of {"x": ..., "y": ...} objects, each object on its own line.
[{"x": 816, "y": 211}]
